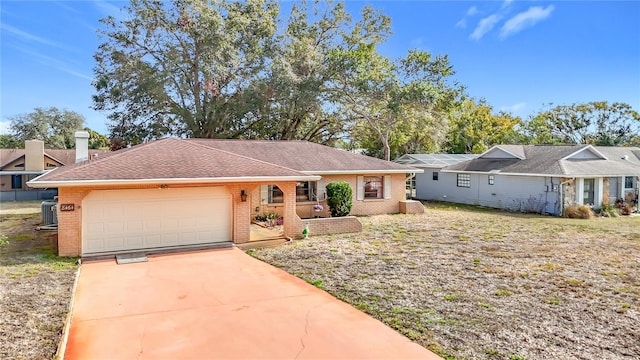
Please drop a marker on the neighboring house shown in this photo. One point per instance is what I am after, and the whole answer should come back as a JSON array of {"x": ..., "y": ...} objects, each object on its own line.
[
  {"x": 536, "y": 178},
  {"x": 176, "y": 192},
  {"x": 18, "y": 166},
  {"x": 431, "y": 164}
]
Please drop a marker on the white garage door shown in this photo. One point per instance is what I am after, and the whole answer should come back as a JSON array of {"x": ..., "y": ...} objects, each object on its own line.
[{"x": 117, "y": 220}]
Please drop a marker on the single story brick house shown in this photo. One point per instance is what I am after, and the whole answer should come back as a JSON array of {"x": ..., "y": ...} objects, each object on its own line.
[
  {"x": 179, "y": 192},
  {"x": 533, "y": 178}
]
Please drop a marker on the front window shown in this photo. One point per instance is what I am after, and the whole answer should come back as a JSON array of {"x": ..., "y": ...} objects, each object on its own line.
[
  {"x": 435, "y": 176},
  {"x": 589, "y": 191},
  {"x": 492, "y": 180},
  {"x": 464, "y": 180},
  {"x": 16, "y": 181},
  {"x": 275, "y": 195},
  {"x": 305, "y": 191},
  {"x": 373, "y": 187},
  {"x": 628, "y": 182}
]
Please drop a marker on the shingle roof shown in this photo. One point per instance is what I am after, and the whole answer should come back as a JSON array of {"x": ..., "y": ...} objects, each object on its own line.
[
  {"x": 548, "y": 160},
  {"x": 169, "y": 159},
  {"x": 304, "y": 156},
  {"x": 433, "y": 160}
]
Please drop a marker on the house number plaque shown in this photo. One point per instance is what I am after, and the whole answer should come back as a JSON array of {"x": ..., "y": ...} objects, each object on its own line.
[{"x": 67, "y": 207}]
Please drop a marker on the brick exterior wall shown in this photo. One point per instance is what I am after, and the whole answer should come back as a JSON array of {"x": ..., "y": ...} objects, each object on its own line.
[
  {"x": 377, "y": 206},
  {"x": 70, "y": 222},
  {"x": 411, "y": 207},
  {"x": 338, "y": 225}
]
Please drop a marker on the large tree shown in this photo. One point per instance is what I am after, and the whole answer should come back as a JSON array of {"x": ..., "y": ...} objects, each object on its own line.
[
  {"x": 474, "y": 128},
  {"x": 597, "y": 123},
  {"x": 53, "y": 126},
  {"x": 8, "y": 141},
  {"x": 204, "y": 68},
  {"x": 301, "y": 97},
  {"x": 395, "y": 100},
  {"x": 183, "y": 67}
]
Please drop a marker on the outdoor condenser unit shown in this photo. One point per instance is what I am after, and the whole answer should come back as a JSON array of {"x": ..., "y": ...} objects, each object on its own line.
[{"x": 49, "y": 213}]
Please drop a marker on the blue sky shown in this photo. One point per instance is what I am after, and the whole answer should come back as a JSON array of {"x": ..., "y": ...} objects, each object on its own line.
[{"x": 518, "y": 55}]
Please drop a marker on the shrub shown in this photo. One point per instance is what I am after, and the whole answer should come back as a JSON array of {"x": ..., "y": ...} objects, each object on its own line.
[
  {"x": 608, "y": 211},
  {"x": 339, "y": 198},
  {"x": 626, "y": 209},
  {"x": 578, "y": 212}
]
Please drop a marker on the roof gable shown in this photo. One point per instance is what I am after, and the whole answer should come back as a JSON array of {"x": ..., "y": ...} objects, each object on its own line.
[
  {"x": 504, "y": 152},
  {"x": 433, "y": 160},
  {"x": 586, "y": 153}
]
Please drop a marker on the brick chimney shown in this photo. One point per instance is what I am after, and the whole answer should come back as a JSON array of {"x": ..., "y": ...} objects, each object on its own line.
[
  {"x": 82, "y": 146},
  {"x": 34, "y": 155}
]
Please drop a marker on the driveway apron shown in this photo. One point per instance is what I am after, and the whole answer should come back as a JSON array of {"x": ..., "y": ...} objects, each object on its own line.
[{"x": 218, "y": 304}]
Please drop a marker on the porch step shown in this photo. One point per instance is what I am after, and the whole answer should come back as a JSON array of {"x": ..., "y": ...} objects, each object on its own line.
[{"x": 261, "y": 244}]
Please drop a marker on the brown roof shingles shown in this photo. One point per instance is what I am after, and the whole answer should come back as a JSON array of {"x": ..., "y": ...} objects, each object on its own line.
[
  {"x": 169, "y": 159},
  {"x": 303, "y": 155}
]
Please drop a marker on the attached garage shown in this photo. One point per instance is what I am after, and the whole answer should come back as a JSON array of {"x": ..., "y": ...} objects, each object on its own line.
[{"x": 133, "y": 219}]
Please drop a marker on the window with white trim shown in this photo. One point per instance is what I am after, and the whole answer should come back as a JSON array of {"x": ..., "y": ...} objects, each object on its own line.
[
  {"x": 628, "y": 182},
  {"x": 464, "y": 180},
  {"x": 373, "y": 187},
  {"x": 492, "y": 179},
  {"x": 305, "y": 191}
]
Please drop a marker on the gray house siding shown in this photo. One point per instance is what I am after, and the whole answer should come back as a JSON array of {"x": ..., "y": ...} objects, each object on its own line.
[{"x": 513, "y": 193}]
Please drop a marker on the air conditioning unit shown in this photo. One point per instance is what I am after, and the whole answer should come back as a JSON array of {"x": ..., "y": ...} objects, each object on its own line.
[{"x": 49, "y": 212}]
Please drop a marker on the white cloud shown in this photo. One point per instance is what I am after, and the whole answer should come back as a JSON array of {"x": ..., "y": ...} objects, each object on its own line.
[
  {"x": 506, "y": 3},
  {"x": 52, "y": 62},
  {"x": 484, "y": 26},
  {"x": 27, "y": 36},
  {"x": 107, "y": 8},
  {"x": 515, "y": 108},
  {"x": 462, "y": 23},
  {"x": 472, "y": 11},
  {"x": 4, "y": 127},
  {"x": 525, "y": 19}
]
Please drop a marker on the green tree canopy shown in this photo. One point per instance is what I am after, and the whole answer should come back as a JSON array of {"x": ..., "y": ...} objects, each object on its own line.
[
  {"x": 393, "y": 102},
  {"x": 597, "y": 123},
  {"x": 474, "y": 128},
  {"x": 53, "y": 126},
  {"x": 8, "y": 141}
]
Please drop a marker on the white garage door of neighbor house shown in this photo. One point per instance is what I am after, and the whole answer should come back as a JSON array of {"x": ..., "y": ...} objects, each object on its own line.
[{"x": 118, "y": 220}]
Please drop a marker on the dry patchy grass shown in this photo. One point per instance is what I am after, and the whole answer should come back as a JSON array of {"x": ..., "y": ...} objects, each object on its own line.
[
  {"x": 481, "y": 284},
  {"x": 35, "y": 286}
]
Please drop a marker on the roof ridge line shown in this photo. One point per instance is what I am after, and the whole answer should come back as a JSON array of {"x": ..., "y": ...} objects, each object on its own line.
[{"x": 242, "y": 156}]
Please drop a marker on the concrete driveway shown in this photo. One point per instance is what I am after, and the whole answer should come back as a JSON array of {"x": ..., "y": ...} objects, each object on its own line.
[{"x": 218, "y": 304}]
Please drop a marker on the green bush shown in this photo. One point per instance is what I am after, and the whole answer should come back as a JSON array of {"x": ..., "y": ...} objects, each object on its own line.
[
  {"x": 339, "y": 198},
  {"x": 608, "y": 211}
]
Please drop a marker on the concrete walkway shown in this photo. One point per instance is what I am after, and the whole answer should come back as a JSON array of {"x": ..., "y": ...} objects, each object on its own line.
[{"x": 218, "y": 304}]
